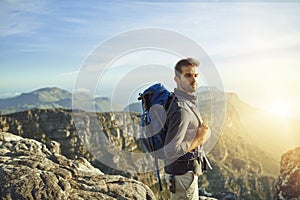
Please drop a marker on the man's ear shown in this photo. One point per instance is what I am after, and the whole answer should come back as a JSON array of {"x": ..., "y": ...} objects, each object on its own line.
[{"x": 176, "y": 79}]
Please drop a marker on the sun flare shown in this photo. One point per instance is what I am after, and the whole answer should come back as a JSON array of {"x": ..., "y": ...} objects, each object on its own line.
[{"x": 280, "y": 108}]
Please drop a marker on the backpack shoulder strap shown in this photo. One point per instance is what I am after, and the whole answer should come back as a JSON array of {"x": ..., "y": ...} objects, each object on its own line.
[
  {"x": 197, "y": 116},
  {"x": 172, "y": 98}
]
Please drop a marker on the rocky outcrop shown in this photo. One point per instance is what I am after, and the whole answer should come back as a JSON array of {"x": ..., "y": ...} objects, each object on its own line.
[
  {"x": 288, "y": 183},
  {"x": 29, "y": 170},
  {"x": 58, "y": 126},
  {"x": 47, "y": 125}
]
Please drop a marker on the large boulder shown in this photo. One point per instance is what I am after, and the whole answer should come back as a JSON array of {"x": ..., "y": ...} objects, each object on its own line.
[
  {"x": 288, "y": 183},
  {"x": 29, "y": 170}
]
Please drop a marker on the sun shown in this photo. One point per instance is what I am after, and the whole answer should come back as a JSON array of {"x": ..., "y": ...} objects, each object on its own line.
[{"x": 280, "y": 108}]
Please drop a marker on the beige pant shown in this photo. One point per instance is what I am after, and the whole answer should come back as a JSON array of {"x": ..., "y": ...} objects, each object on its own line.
[{"x": 186, "y": 187}]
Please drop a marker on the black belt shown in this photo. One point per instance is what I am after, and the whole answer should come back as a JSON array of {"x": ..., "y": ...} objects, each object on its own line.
[{"x": 180, "y": 167}]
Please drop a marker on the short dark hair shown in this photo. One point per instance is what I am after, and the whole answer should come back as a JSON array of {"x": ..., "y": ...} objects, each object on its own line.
[{"x": 185, "y": 62}]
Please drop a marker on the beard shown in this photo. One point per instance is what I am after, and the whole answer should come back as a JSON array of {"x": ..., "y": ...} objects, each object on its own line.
[
  {"x": 189, "y": 87},
  {"x": 194, "y": 86}
]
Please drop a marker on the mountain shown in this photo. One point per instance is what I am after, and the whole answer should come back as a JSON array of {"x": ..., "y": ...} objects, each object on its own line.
[
  {"x": 50, "y": 98},
  {"x": 42, "y": 98},
  {"x": 134, "y": 107},
  {"x": 272, "y": 133}
]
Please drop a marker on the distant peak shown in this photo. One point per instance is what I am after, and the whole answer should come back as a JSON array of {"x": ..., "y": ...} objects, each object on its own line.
[
  {"x": 49, "y": 89},
  {"x": 209, "y": 89},
  {"x": 232, "y": 95}
]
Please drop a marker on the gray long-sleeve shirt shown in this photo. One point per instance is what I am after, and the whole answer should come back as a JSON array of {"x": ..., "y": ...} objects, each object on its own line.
[{"x": 182, "y": 125}]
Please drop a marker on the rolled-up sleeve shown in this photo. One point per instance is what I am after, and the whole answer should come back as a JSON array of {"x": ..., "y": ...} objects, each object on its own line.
[{"x": 178, "y": 124}]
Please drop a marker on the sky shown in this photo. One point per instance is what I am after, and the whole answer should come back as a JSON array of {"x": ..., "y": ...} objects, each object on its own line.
[{"x": 254, "y": 46}]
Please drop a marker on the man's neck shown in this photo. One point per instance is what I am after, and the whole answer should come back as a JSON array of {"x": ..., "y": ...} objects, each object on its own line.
[{"x": 189, "y": 93}]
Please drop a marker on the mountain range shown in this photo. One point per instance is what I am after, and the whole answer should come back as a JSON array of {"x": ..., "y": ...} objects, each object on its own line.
[
  {"x": 273, "y": 134},
  {"x": 49, "y": 98},
  {"x": 245, "y": 160}
]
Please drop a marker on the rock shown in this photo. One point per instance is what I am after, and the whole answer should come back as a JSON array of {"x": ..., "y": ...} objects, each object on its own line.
[
  {"x": 204, "y": 195},
  {"x": 58, "y": 129},
  {"x": 54, "y": 147},
  {"x": 206, "y": 198},
  {"x": 8, "y": 137},
  {"x": 226, "y": 196},
  {"x": 288, "y": 183},
  {"x": 59, "y": 125},
  {"x": 29, "y": 170}
]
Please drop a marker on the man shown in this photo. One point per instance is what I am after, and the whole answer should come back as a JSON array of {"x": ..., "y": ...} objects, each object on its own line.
[{"x": 185, "y": 135}]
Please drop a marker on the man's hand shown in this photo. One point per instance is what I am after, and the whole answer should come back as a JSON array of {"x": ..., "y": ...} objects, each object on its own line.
[
  {"x": 199, "y": 138},
  {"x": 202, "y": 131}
]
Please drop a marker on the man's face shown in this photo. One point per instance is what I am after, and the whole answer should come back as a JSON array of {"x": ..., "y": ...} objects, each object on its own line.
[{"x": 188, "y": 81}]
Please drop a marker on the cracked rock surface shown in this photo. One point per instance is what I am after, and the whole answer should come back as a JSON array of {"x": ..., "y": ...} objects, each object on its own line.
[{"x": 29, "y": 170}]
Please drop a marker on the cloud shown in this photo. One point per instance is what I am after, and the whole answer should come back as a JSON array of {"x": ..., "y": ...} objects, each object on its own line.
[
  {"x": 243, "y": 37},
  {"x": 75, "y": 20},
  {"x": 9, "y": 94},
  {"x": 21, "y": 17},
  {"x": 69, "y": 74}
]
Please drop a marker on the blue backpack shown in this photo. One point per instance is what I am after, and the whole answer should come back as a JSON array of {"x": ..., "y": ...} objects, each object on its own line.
[{"x": 156, "y": 103}]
